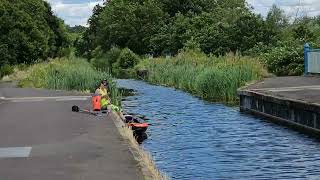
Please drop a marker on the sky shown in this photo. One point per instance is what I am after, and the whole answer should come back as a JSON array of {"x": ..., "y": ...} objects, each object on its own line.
[{"x": 77, "y": 12}]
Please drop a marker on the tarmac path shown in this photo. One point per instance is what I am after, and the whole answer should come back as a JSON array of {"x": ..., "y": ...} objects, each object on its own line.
[{"x": 41, "y": 139}]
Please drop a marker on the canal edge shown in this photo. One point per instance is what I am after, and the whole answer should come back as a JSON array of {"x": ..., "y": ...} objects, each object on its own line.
[
  {"x": 143, "y": 158},
  {"x": 282, "y": 110}
]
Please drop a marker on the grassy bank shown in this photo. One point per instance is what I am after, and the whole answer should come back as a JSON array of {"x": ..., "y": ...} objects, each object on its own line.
[
  {"x": 66, "y": 74},
  {"x": 146, "y": 162},
  {"x": 211, "y": 78}
]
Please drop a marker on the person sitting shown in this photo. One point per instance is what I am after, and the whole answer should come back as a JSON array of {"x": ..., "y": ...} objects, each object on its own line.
[{"x": 102, "y": 90}]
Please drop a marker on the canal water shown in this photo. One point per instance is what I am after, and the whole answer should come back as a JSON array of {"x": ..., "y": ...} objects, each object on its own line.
[{"x": 193, "y": 139}]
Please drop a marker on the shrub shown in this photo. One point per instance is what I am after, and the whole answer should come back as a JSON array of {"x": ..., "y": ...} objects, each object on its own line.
[
  {"x": 285, "y": 59},
  {"x": 103, "y": 61},
  {"x": 113, "y": 55},
  {"x": 127, "y": 59},
  {"x": 6, "y": 70}
]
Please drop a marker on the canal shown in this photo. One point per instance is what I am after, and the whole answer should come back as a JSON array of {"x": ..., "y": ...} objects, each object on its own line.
[{"x": 193, "y": 139}]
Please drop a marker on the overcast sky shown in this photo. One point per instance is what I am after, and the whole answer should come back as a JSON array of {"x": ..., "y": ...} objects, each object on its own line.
[{"x": 77, "y": 12}]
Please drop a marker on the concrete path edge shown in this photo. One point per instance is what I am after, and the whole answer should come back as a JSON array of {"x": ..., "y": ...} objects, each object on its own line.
[{"x": 148, "y": 175}]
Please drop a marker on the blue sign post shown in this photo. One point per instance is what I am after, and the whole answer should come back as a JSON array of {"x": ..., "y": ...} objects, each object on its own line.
[{"x": 306, "y": 50}]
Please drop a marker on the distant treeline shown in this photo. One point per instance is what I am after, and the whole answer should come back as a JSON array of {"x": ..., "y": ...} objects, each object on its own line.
[{"x": 161, "y": 27}]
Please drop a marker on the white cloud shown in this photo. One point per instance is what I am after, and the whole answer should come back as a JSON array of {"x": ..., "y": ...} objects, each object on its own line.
[
  {"x": 291, "y": 7},
  {"x": 77, "y": 12},
  {"x": 74, "y": 13}
]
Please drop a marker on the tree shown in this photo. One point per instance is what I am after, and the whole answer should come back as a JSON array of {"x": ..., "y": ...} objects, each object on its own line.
[
  {"x": 130, "y": 24},
  {"x": 29, "y": 31},
  {"x": 276, "y": 22},
  {"x": 78, "y": 29},
  {"x": 167, "y": 26}
]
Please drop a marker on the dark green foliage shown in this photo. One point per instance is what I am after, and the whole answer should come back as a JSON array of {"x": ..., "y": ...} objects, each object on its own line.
[
  {"x": 117, "y": 62},
  {"x": 29, "y": 31},
  {"x": 285, "y": 59},
  {"x": 88, "y": 42},
  {"x": 76, "y": 29},
  {"x": 275, "y": 24},
  {"x": 123, "y": 67},
  {"x": 130, "y": 24},
  {"x": 6, "y": 70},
  {"x": 165, "y": 27},
  {"x": 103, "y": 61},
  {"x": 302, "y": 32},
  {"x": 127, "y": 59}
]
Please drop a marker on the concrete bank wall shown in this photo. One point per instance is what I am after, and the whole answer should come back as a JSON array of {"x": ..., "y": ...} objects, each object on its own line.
[{"x": 299, "y": 115}]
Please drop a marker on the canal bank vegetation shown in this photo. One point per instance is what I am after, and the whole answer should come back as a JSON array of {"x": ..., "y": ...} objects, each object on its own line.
[
  {"x": 164, "y": 28},
  {"x": 65, "y": 74},
  {"x": 209, "y": 77},
  {"x": 214, "y": 46}
]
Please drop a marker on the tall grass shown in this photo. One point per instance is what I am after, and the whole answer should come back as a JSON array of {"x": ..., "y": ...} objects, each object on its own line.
[
  {"x": 68, "y": 74},
  {"x": 212, "y": 78}
]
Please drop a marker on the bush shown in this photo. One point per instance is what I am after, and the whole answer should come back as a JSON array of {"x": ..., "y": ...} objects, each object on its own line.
[
  {"x": 6, "y": 70},
  {"x": 127, "y": 59},
  {"x": 113, "y": 54},
  {"x": 285, "y": 59},
  {"x": 103, "y": 61},
  {"x": 65, "y": 52},
  {"x": 258, "y": 50}
]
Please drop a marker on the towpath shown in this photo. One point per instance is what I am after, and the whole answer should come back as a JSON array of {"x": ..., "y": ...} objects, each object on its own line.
[{"x": 40, "y": 138}]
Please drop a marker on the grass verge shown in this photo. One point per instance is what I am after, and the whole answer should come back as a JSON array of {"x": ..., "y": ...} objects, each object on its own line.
[{"x": 66, "y": 74}]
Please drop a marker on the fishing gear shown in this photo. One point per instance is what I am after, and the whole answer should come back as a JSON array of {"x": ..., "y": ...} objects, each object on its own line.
[{"x": 87, "y": 111}]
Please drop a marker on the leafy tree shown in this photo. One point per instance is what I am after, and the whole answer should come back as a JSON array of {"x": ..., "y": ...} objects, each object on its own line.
[
  {"x": 130, "y": 24},
  {"x": 276, "y": 22},
  {"x": 76, "y": 29},
  {"x": 29, "y": 31},
  {"x": 173, "y": 7}
]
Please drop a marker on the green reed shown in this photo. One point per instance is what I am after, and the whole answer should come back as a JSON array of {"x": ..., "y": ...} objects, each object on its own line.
[
  {"x": 211, "y": 78},
  {"x": 68, "y": 74}
]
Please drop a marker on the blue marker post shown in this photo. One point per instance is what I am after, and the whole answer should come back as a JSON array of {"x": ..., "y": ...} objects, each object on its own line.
[{"x": 306, "y": 50}]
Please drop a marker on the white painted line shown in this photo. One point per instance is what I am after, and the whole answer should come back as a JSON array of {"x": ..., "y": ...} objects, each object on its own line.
[
  {"x": 72, "y": 99},
  {"x": 57, "y": 97},
  {"x": 15, "y": 152},
  {"x": 1, "y": 97},
  {"x": 27, "y": 100}
]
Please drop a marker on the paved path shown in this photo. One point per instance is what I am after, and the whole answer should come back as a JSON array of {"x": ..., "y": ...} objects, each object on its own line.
[
  {"x": 41, "y": 139},
  {"x": 295, "y": 87}
]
